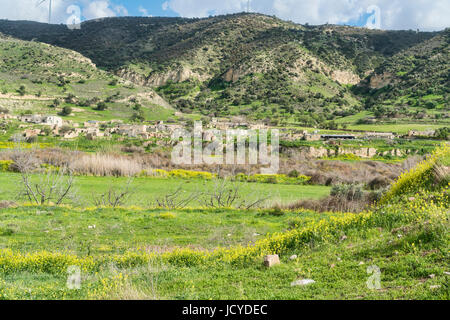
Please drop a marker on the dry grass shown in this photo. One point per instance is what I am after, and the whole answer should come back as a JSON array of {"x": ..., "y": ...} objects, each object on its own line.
[
  {"x": 114, "y": 162},
  {"x": 343, "y": 198},
  {"x": 106, "y": 165}
]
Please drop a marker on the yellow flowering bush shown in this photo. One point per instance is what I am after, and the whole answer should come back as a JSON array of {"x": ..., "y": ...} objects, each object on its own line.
[
  {"x": 105, "y": 288},
  {"x": 5, "y": 165},
  {"x": 183, "y": 174},
  {"x": 419, "y": 178},
  {"x": 44, "y": 261},
  {"x": 273, "y": 178}
]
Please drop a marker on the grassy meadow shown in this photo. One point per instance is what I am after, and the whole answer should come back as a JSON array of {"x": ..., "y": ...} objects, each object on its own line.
[
  {"x": 195, "y": 253},
  {"x": 146, "y": 190}
]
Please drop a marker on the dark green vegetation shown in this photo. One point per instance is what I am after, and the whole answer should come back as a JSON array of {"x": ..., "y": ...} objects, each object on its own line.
[{"x": 265, "y": 68}]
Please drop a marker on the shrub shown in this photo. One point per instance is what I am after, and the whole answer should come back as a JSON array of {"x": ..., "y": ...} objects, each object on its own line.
[
  {"x": 184, "y": 174},
  {"x": 5, "y": 165},
  {"x": 273, "y": 178},
  {"x": 167, "y": 215},
  {"x": 421, "y": 177},
  {"x": 378, "y": 183},
  {"x": 101, "y": 106},
  {"x": 67, "y": 110},
  {"x": 349, "y": 192},
  {"x": 293, "y": 174}
]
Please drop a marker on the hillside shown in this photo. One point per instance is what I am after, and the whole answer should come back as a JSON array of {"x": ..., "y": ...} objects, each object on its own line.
[
  {"x": 40, "y": 78},
  {"x": 418, "y": 76},
  {"x": 242, "y": 64}
]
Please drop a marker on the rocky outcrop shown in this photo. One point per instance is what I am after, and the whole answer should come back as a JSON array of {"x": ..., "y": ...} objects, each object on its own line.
[
  {"x": 345, "y": 77},
  {"x": 177, "y": 75},
  {"x": 162, "y": 78},
  {"x": 378, "y": 81}
]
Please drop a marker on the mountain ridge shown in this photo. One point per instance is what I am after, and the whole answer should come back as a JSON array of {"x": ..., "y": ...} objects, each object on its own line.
[{"x": 245, "y": 64}]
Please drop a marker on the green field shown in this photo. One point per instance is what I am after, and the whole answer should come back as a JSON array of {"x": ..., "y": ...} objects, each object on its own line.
[
  {"x": 134, "y": 253},
  {"x": 402, "y": 128},
  {"x": 147, "y": 190},
  {"x": 44, "y": 241}
]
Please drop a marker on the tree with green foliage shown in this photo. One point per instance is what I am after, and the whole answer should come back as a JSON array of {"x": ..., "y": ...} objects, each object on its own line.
[
  {"x": 442, "y": 133},
  {"x": 66, "y": 110},
  {"x": 22, "y": 90},
  {"x": 101, "y": 106}
]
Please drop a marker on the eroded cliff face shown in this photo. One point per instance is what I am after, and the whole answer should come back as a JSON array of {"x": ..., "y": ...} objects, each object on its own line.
[
  {"x": 176, "y": 75},
  {"x": 345, "y": 77},
  {"x": 160, "y": 79}
]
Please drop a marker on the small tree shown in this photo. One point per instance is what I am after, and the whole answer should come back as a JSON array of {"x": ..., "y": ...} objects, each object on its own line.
[
  {"x": 22, "y": 90},
  {"x": 54, "y": 186},
  {"x": 67, "y": 110},
  {"x": 114, "y": 197},
  {"x": 101, "y": 106}
]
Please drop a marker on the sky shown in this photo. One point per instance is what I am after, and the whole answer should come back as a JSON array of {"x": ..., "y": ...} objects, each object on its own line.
[{"x": 425, "y": 15}]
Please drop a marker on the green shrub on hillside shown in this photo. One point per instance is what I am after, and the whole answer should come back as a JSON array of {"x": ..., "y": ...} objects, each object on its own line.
[{"x": 422, "y": 177}]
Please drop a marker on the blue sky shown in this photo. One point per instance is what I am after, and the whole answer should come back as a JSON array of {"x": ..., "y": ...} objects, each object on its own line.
[
  {"x": 153, "y": 7},
  {"x": 384, "y": 14}
]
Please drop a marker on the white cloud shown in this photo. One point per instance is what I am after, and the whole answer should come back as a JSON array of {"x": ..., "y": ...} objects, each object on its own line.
[
  {"x": 102, "y": 8},
  {"x": 30, "y": 10},
  {"x": 144, "y": 11},
  {"x": 395, "y": 14},
  {"x": 121, "y": 10}
]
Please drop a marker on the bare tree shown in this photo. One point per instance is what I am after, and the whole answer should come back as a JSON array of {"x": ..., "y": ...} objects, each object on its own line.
[
  {"x": 114, "y": 197},
  {"x": 228, "y": 194},
  {"x": 178, "y": 199},
  {"x": 55, "y": 185}
]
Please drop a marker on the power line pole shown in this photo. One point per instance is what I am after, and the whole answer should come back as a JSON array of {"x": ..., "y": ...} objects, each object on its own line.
[{"x": 248, "y": 6}]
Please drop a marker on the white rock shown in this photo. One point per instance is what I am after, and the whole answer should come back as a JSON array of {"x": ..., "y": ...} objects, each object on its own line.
[
  {"x": 302, "y": 282},
  {"x": 435, "y": 287},
  {"x": 293, "y": 257},
  {"x": 270, "y": 261}
]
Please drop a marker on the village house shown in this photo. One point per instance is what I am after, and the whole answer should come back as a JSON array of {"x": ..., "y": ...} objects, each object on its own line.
[
  {"x": 7, "y": 116},
  {"x": 312, "y": 137},
  {"x": 379, "y": 135},
  {"x": 428, "y": 133},
  {"x": 53, "y": 121},
  {"x": 70, "y": 134},
  {"x": 338, "y": 137},
  {"x": 132, "y": 131},
  {"x": 91, "y": 124},
  {"x": 31, "y": 133},
  {"x": 39, "y": 119}
]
